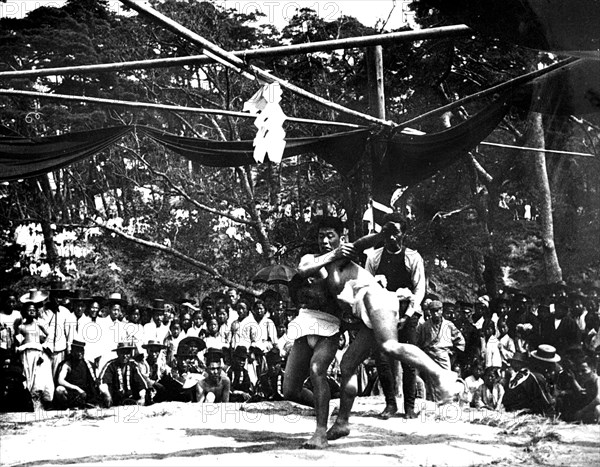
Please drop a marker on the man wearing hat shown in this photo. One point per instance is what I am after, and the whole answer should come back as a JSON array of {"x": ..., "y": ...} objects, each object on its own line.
[
  {"x": 242, "y": 388},
  {"x": 121, "y": 382},
  {"x": 56, "y": 319},
  {"x": 270, "y": 383},
  {"x": 76, "y": 380},
  {"x": 400, "y": 270},
  {"x": 9, "y": 316},
  {"x": 112, "y": 327},
  {"x": 154, "y": 369},
  {"x": 560, "y": 329},
  {"x": 471, "y": 334},
  {"x": 80, "y": 300},
  {"x": 528, "y": 389},
  {"x": 439, "y": 338}
]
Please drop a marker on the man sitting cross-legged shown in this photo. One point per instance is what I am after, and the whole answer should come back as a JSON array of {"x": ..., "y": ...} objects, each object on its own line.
[{"x": 378, "y": 309}]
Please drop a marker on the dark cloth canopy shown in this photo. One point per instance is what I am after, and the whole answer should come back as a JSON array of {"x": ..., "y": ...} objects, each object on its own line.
[{"x": 406, "y": 159}]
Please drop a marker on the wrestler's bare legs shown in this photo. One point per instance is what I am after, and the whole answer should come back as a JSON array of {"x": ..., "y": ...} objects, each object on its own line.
[
  {"x": 302, "y": 361},
  {"x": 382, "y": 310},
  {"x": 355, "y": 354}
]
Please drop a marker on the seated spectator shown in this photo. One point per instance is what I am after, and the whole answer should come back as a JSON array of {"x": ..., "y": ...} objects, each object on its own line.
[
  {"x": 585, "y": 403},
  {"x": 215, "y": 386},
  {"x": 14, "y": 397},
  {"x": 154, "y": 370},
  {"x": 270, "y": 383},
  {"x": 184, "y": 384},
  {"x": 489, "y": 395},
  {"x": 76, "y": 381},
  {"x": 528, "y": 388},
  {"x": 121, "y": 382},
  {"x": 474, "y": 380},
  {"x": 242, "y": 388}
]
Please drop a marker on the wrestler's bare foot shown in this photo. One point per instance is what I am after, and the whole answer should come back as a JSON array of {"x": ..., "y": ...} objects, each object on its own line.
[
  {"x": 317, "y": 441},
  {"x": 338, "y": 430}
]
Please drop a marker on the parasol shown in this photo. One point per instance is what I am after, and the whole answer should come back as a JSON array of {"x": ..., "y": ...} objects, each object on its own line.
[{"x": 274, "y": 274}]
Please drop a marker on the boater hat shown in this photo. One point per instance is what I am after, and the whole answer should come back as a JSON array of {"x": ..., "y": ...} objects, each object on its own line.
[
  {"x": 116, "y": 297},
  {"x": 546, "y": 353}
]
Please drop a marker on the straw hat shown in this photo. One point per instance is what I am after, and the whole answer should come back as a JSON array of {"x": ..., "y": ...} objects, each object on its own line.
[
  {"x": 33, "y": 296},
  {"x": 546, "y": 353},
  {"x": 116, "y": 297},
  {"x": 153, "y": 343}
]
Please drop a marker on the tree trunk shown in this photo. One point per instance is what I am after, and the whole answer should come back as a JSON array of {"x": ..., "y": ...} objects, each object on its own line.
[{"x": 552, "y": 270}]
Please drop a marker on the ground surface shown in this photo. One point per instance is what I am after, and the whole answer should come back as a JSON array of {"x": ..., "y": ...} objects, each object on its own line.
[{"x": 272, "y": 434}]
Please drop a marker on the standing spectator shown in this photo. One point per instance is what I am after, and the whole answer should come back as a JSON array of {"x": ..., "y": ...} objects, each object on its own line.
[
  {"x": 561, "y": 330},
  {"x": 439, "y": 339},
  {"x": 56, "y": 319},
  {"x": 9, "y": 319},
  {"x": 400, "y": 270},
  {"x": 491, "y": 346},
  {"x": 31, "y": 335},
  {"x": 112, "y": 328},
  {"x": 471, "y": 335},
  {"x": 156, "y": 328},
  {"x": 506, "y": 343},
  {"x": 172, "y": 340}
]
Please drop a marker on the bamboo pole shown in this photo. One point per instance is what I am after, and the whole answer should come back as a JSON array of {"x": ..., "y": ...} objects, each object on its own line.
[
  {"x": 281, "y": 51},
  {"x": 230, "y": 60},
  {"x": 150, "y": 105},
  {"x": 487, "y": 92}
]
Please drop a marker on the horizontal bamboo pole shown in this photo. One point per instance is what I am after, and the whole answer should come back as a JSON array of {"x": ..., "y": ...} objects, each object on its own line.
[{"x": 249, "y": 54}]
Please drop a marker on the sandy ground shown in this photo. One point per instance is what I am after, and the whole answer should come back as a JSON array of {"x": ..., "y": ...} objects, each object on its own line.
[{"x": 271, "y": 434}]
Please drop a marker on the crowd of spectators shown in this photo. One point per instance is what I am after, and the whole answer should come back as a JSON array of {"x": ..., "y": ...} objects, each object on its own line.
[{"x": 63, "y": 348}]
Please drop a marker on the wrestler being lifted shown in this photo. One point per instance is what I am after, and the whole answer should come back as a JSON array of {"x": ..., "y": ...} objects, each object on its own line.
[{"x": 352, "y": 286}]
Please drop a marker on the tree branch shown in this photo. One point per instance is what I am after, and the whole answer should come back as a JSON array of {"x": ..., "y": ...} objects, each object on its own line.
[{"x": 177, "y": 254}]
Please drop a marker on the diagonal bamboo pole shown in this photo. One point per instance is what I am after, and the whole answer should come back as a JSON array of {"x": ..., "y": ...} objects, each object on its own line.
[
  {"x": 150, "y": 105},
  {"x": 230, "y": 60}
]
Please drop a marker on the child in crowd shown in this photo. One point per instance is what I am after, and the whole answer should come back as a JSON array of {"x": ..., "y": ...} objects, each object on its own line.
[
  {"x": 506, "y": 343},
  {"x": 491, "y": 345},
  {"x": 474, "y": 380}
]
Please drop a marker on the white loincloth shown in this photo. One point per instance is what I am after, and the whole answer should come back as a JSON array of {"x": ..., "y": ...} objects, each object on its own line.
[{"x": 313, "y": 323}]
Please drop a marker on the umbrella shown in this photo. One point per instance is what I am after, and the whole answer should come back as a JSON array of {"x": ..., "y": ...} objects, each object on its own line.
[{"x": 274, "y": 274}]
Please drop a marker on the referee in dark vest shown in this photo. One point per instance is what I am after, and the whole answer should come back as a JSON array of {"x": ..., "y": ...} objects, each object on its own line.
[{"x": 401, "y": 270}]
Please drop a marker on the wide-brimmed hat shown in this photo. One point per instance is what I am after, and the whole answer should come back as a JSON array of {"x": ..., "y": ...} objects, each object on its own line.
[
  {"x": 273, "y": 357},
  {"x": 153, "y": 343},
  {"x": 158, "y": 304},
  {"x": 116, "y": 297},
  {"x": 33, "y": 296},
  {"x": 435, "y": 305},
  {"x": 460, "y": 304},
  {"x": 546, "y": 353},
  {"x": 190, "y": 346},
  {"x": 80, "y": 295},
  {"x": 241, "y": 351},
  {"x": 128, "y": 345},
  {"x": 519, "y": 357},
  {"x": 58, "y": 288}
]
